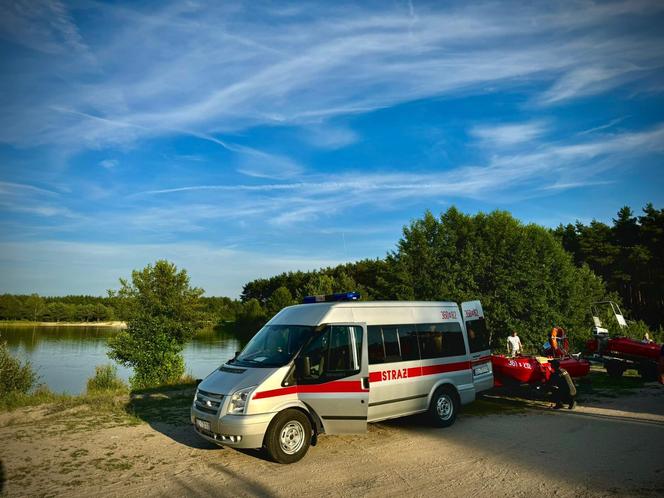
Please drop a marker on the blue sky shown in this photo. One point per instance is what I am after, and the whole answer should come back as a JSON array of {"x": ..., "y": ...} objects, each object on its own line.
[{"x": 243, "y": 139}]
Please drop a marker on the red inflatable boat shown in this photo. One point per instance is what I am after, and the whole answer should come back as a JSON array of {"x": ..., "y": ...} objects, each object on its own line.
[
  {"x": 533, "y": 370},
  {"x": 626, "y": 348}
]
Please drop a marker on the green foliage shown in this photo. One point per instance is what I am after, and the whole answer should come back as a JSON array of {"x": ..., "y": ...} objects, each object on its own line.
[
  {"x": 61, "y": 309},
  {"x": 279, "y": 299},
  {"x": 629, "y": 256},
  {"x": 162, "y": 317},
  {"x": 15, "y": 377},
  {"x": 250, "y": 319},
  {"x": 522, "y": 275},
  {"x": 105, "y": 379}
]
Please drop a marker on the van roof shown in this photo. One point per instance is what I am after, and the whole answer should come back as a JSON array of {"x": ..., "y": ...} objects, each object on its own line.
[{"x": 356, "y": 311}]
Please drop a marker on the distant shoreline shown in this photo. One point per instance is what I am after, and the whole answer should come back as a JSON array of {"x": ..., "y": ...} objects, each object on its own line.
[{"x": 24, "y": 323}]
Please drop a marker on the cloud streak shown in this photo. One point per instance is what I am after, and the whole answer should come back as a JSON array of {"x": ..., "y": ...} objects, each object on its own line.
[
  {"x": 552, "y": 167},
  {"x": 346, "y": 60}
]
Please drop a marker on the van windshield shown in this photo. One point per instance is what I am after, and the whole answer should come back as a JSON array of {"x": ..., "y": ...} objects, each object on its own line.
[{"x": 274, "y": 346}]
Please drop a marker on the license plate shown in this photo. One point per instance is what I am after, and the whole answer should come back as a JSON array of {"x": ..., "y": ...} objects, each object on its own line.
[
  {"x": 481, "y": 369},
  {"x": 203, "y": 424}
]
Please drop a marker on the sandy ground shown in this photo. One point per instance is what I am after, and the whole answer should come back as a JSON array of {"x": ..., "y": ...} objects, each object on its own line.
[{"x": 608, "y": 446}]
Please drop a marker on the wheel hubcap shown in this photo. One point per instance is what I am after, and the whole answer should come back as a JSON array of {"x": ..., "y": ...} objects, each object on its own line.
[
  {"x": 444, "y": 407},
  {"x": 292, "y": 437}
]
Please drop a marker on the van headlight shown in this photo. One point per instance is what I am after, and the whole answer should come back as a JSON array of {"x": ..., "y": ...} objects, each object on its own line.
[{"x": 240, "y": 400}]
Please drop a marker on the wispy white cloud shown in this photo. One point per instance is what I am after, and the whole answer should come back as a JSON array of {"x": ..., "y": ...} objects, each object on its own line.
[
  {"x": 509, "y": 134},
  {"x": 330, "y": 137},
  {"x": 544, "y": 166},
  {"x": 109, "y": 163},
  {"x": 604, "y": 126},
  {"x": 227, "y": 71},
  {"x": 43, "y": 25},
  {"x": 28, "y": 199}
]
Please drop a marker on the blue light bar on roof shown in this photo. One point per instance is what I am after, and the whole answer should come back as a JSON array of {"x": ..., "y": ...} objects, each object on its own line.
[{"x": 341, "y": 296}]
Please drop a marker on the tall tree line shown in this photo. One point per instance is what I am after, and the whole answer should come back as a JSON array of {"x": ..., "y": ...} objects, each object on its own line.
[
  {"x": 628, "y": 255},
  {"x": 34, "y": 307},
  {"x": 521, "y": 273}
]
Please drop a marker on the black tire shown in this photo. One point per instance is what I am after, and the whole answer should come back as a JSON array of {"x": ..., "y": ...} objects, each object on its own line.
[
  {"x": 649, "y": 372},
  {"x": 288, "y": 437},
  {"x": 444, "y": 406},
  {"x": 615, "y": 368}
]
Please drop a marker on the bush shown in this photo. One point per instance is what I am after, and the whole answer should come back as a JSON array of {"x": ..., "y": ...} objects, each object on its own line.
[
  {"x": 15, "y": 377},
  {"x": 106, "y": 379},
  {"x": 161, "y": 317},
  {"x": 148, "y": 346}
]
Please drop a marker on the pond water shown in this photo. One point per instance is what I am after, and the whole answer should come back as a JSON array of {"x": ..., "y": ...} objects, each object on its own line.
[{"x": 65, "y": 357}]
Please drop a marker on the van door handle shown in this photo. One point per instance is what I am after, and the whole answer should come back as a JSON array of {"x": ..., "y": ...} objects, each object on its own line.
[{"x": 365, "y": 382}]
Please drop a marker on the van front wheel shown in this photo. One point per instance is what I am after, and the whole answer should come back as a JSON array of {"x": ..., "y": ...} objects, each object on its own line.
[
  {"x": 444, "y": 407},
  {"x": 288, "y": 436}
]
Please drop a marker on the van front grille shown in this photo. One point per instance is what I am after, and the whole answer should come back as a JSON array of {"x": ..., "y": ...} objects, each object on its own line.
[{"x": 208, "y": 402}]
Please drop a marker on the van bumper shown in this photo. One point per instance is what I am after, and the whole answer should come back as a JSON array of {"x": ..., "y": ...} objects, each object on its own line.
[{"x": 250, "y": 428}]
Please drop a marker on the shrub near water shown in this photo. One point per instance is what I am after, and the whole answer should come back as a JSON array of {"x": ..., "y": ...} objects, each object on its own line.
[
  {"x": 15, "y": 376},
  {"x": 106, "y": 379}
]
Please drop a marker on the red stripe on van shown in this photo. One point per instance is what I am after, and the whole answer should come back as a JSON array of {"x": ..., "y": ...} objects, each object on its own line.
[
  {"x": 482, "y": 359},
  {"x": 375, "y": 376},
  {"x": 419, "y": 371},
  {"x": 446, "y": 367},
  {"x": 337, "y": 386}
]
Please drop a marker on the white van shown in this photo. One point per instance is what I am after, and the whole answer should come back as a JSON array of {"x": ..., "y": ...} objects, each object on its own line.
[{"x": 334, "y": 365}]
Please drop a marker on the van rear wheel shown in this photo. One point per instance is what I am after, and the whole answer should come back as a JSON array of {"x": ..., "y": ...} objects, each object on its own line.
[
  {"x": 288, "y": 436},
  {"x": 444, "y": 407}
]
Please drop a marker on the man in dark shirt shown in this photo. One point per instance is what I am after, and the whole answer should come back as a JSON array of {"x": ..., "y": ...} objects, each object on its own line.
[
  {"x": 661, "y": 365},
  {"x": 563, "y": 390}
]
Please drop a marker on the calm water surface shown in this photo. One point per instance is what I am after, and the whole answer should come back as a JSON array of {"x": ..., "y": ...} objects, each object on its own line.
[{"x": 65, "y": 357}]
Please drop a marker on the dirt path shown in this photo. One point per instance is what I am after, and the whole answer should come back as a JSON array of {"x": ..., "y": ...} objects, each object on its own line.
[{"x": 607, "y": 446}]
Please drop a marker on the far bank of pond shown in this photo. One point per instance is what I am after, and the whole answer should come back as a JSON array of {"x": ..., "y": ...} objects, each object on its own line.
[
  {"x": 65, "y": 356},
  {"x": 25, "y": 323}
]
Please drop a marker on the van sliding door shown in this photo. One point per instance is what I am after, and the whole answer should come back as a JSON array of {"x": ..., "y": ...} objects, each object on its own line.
[{"x": 333, "y": 377}]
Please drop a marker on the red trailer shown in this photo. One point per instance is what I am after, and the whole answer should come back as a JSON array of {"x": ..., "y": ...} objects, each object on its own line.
[{"x": 620, "y": 353}]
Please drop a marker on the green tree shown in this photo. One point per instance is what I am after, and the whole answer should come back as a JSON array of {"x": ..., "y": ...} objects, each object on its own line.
[
  {"x": 162, "y": 314},
  {"x": 629, "y": 256},
  {"x": 10, "y": 307},
  {"x": 279, "y": 299},
  {"x": 250, "y": 319},
  {"x": 33, "y": 307},
  {"x": 524, "y": 278}
]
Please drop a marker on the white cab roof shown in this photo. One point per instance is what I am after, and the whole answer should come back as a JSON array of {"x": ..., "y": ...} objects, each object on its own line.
[{"x": 369, "y": 312}]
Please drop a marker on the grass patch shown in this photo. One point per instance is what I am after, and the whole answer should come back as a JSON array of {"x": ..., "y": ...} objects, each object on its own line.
[
  {"x": 106, "y": 379},
  {"x": 42, "y": 395},
  {"x": 600, "y": 383},
  {"x": 62, "y": 414}
]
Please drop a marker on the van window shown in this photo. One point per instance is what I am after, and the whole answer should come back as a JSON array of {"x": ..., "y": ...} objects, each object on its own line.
[
  {"x": 330, "y": 355},
  {"x": 391, "y": 342},
  {"x": 478, "y": 337},
  {"x": 273, "y": 346},
  {"x": 375, "y": 345},
  {"x": 408, "y": 341},
  {"x": 439, "y": 340}
]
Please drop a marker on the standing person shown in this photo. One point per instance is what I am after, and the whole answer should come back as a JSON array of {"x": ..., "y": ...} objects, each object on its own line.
[
  {"x": 553, "y": 340},
  {"x": 514, "y": 344},
  {"x": 562, "y": 387}
]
